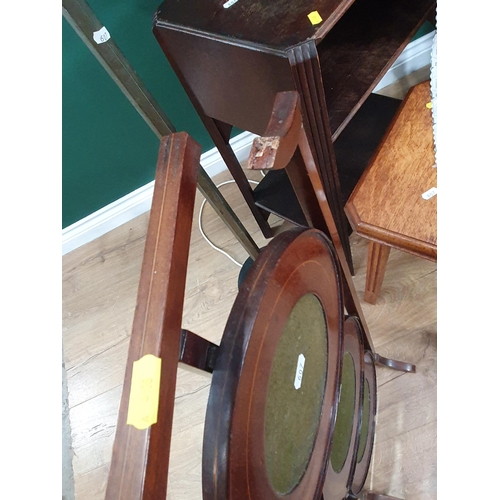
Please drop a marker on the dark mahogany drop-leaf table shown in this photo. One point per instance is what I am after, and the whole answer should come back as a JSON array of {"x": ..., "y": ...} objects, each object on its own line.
[{"x": 233, "y": 57}]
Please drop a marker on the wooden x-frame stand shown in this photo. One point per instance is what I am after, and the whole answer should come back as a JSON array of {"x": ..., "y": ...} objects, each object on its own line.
[{"x": 139, "y": 467}]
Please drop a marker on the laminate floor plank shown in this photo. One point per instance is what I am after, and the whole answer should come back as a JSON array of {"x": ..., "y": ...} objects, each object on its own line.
[{"x": 406, "y": 465}]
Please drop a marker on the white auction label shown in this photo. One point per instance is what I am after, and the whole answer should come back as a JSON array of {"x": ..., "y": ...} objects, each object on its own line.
[
  {"x": 101, "y": 36},
  {"x": 433, "y": 191},
  {"x": 229, "y": 3},
  {"x": 299, "y": 372}
]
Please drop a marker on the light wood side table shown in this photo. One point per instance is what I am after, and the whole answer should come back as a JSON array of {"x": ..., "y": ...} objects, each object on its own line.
[{"x": 389, "y": 204}]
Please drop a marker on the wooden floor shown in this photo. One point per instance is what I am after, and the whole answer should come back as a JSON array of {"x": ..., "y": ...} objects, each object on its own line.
[{"x": 100, "y": 283}]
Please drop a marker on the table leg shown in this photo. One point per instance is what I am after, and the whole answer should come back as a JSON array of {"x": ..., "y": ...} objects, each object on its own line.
[
  {"x": 222, "y": 144},
  {"x": 378, "y": 255},
  {"x": 304, "y": 61}
]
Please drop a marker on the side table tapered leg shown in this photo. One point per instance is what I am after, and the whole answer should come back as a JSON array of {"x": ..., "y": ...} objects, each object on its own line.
[{"x": 378, "y": 256}]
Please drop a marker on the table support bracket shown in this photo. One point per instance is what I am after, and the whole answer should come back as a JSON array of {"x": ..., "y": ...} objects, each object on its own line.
[{"x": 400, "y": 366}]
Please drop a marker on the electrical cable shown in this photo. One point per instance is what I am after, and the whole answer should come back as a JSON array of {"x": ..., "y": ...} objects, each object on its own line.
[{"x": 201, "y": 228}]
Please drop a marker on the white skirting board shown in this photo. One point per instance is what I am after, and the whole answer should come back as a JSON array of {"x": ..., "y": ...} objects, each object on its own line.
[
  {"x": 415, "y": 56},
  {"x": 139, "y": 201}
]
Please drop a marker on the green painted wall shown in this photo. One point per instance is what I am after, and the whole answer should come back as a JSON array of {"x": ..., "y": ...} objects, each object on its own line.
[
  {"x": 426, "y": 28},
  {"x": 108, "y": 151}
]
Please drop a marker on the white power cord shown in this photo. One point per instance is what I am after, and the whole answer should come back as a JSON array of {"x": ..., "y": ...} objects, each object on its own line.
[{"x": 201, "y": 228}]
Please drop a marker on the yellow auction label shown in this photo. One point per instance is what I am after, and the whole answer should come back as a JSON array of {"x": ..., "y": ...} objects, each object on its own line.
[
  {"x": 314, "y": 17},
  {"x": 144, "y": 392}
]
